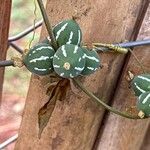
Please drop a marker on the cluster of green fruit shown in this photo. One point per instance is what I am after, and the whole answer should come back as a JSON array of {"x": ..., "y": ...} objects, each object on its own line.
[
  {"x": 141, "y": 87},
  {"x": 69, "y": 60}
]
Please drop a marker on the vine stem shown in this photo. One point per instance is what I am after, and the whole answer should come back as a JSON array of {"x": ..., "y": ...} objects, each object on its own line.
[
  {"x": 48, "y": 24},
  {"x": 111, "y": 109},
  {"x": 34, "y": 22}
]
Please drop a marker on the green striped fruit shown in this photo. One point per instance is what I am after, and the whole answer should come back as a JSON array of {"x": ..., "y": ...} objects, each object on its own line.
[
  {"x": 141, "y": 84},
  {"x": 67, "y": 32},
  {"x": 39, "y": 59},
  {"x": 144, "y": 103},
  {"x": 92, "y": 61},
  {"x": 69, "y": 61}
]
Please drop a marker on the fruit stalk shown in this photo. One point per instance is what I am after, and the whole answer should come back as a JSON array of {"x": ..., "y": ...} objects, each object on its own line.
[{"x": 111, "y": 109}]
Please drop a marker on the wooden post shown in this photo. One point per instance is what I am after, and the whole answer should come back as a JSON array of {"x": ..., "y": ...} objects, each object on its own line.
[
  {"x": 120, "y": 133},
  {"x": 146, "y": 144},
  {"x": 76, "y": 119},
  {"x": 5, "y": 8}
]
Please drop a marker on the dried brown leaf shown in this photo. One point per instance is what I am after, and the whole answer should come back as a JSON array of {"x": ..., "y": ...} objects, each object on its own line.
[{"x": 58, "y": 92}]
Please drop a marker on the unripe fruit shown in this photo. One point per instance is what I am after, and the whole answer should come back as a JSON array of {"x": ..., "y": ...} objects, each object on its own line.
[
  {"x": 92, "y": 61},
  {"x": 69, "y": 61},
  {"x": 143, "y": 103},
  {"x": 39, "y": 59},
  {"x": 67, "y": 32},
  {"x": 141, "y": 84}
]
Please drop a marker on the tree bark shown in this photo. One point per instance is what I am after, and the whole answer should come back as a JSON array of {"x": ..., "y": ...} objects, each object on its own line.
[
  {"x": 117, "y": 132},
  {"x": 76, "y": 120},
  {"x": 5, "y": 8}
]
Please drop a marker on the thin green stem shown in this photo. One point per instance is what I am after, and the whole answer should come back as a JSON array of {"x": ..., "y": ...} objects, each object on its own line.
[
  {"x": 90, "y": 94},
  {"x": 48, "y": 24}
]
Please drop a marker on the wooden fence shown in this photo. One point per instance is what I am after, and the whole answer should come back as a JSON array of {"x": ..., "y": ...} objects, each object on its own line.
[
  {"x": 5, "y": 8},
  {"x": 77, "y": 122}
]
